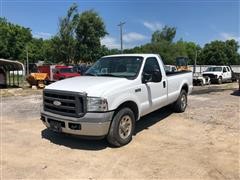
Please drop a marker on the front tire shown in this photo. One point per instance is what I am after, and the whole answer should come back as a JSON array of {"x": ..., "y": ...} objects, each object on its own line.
[
  {"x": 220, "y": 80},
  {"x": 181, "y": 103},
  {"x": 122, "y": 128}
]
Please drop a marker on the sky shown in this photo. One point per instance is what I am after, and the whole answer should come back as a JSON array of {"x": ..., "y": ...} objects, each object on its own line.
[{"x": 197, "y": 21}]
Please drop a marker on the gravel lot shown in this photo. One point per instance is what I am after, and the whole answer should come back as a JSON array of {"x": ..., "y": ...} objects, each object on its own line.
[{"x": 201, "y": 143}]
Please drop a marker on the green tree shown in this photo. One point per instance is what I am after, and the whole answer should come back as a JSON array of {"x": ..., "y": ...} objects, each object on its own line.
[
  {"x": 65, "y": 39},
  {"x": 220, "y": 53},
  {"x": 49, "y": 51},
  {"x": 13, "y": 40},
  {"x": 232, "y": 52},
  {"x": 35, "y": 50},
  {"x": 167, "y": 34},
  {"x": 187, "y": 49},
  {"x": 90, "y": 29}
]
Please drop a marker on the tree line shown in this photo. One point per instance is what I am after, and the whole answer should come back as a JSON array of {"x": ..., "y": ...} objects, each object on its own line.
[{"x": 78, "y": 40}]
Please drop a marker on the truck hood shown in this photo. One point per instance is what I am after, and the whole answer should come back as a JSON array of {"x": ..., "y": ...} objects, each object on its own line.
[{"x": 93, "y": 86}]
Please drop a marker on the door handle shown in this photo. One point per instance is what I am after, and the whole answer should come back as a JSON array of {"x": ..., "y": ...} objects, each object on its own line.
[{"x": 164, "y": 84}]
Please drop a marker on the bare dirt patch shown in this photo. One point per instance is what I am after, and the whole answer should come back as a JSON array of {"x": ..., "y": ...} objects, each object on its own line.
[{"x": 202, "y": 142}]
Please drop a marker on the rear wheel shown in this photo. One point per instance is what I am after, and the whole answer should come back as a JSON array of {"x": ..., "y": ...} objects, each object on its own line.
[
  {"x": 122, "y": 128},
  {"x": 181, "y": 103}
]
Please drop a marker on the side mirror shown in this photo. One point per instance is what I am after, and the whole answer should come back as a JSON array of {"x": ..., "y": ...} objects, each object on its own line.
[{"x": 146, "y": 78}]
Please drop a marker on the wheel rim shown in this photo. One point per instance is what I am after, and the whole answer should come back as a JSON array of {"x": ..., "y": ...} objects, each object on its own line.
[
  {"x": 183, "y": 101},
  {"x": 125, "y": 126}
]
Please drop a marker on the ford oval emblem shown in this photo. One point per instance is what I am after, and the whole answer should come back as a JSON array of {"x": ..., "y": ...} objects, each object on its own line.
[{"x": 57, "y": 103}]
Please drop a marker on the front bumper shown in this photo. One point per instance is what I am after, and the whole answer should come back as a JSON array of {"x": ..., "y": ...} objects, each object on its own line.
[
  {"x": 212, "y": 77},
  {"x": 92, "y": 124}
]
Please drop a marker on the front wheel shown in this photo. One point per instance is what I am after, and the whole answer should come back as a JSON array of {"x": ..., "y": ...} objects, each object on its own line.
[
  {"x": 220, "y": 80},
  {"x": 122, "y": 128},
  {"x": 181, "y": 103}
]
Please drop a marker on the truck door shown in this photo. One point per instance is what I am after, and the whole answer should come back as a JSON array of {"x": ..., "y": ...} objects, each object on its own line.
[
  {"x": 155, "y": 89},
  {"x": 229, "y": 73},
  {"x": 225, "y": 74}
]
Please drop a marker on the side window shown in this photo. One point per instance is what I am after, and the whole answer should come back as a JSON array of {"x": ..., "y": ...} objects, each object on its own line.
[
  {"x": 152, "y": 69},
  {"x": 228, "y": 68},
  {"x": 224, "y": 69},
  {"x": 151, "y": 65}
]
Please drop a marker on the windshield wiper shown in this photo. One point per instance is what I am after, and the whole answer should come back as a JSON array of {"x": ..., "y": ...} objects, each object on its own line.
[
  {"x": 109, "y": 75},
  {"x": 89, "y": 74}
]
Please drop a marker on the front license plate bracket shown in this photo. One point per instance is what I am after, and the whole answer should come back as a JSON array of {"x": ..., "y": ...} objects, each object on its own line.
[{"x": 55, "y": 126}]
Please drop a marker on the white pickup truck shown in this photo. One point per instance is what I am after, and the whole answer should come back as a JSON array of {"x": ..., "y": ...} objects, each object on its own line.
[
  {"x": 219, "y": 74},
  {"x": 114, "y": 93}
]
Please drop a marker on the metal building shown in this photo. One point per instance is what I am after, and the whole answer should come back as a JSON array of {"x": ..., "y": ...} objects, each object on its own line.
[{"x": 11, "y": 73}]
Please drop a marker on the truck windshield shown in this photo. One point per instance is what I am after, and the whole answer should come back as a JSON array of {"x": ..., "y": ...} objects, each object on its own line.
[
  {"x": 66, "y": 70},
  {"x": 214, "y": 69},
  {"x": 121, "y": 66}
]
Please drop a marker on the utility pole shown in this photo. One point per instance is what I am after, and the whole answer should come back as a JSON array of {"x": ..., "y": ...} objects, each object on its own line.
[
  {"x": 195, "y": 62},
  {"x": 121, "y": 34},
  {"x": 27, "y": 61}
]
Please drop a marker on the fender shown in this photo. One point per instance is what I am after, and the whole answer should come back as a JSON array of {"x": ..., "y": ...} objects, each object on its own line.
[{"x": 116, "y": 101}]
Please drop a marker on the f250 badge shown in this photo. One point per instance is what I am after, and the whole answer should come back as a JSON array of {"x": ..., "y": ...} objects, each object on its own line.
[{"x": 57, "y": 103}]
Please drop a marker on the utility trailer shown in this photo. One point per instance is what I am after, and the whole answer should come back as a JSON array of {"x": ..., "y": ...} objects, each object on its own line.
[{"x": 199, "y": 79}]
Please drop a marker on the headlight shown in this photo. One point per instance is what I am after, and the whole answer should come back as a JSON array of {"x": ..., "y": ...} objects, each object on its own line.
[{"x": 97, "y": 104}]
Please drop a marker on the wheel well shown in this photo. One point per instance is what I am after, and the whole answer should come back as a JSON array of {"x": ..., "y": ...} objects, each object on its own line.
[
  {"x": 132, "y": 105},
  {"x": 185, "y": 87}
]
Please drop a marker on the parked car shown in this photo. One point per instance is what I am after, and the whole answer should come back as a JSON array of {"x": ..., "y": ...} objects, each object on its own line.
[
  {"x": 114, "y": 93},
  {"x": 219, "y": 74}
]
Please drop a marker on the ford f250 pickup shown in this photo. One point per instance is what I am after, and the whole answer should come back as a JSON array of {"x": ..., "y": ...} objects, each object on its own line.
[
  {"x": 112, "y": 95},
  {"x": 219, "y": 74}
]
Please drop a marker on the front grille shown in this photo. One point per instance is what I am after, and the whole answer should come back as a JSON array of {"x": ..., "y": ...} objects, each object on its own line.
[
  {"x": 65, "y": 102},
  {"x": 211, "y": 76}
]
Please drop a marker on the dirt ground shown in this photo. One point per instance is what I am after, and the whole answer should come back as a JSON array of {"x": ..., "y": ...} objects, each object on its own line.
[{"x": 201, "y": 143}]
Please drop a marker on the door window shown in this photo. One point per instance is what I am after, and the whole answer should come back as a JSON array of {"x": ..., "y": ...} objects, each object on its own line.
[
  {"x": 224, "y": 69},
  {"x": 152, "y": 69}
]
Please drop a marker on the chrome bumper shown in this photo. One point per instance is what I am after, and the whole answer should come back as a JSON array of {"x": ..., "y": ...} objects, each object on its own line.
[{"x": 92, "y": 124}]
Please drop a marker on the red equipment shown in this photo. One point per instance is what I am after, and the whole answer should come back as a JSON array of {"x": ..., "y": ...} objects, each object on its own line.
[{"x": 57, "y": 72}]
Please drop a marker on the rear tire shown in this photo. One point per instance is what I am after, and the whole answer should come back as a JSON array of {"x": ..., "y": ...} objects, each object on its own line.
[
  {"x": 122, "y": 128},
  {"x": 181, "y": 103}
]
